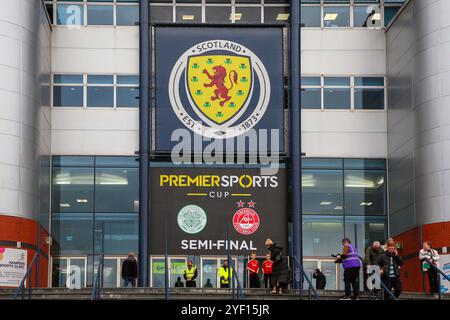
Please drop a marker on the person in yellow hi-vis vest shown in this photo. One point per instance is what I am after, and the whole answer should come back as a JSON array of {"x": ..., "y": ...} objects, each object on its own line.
[
  {"x": 225, "y": 275},
  {"x": 190, "y": 274}
]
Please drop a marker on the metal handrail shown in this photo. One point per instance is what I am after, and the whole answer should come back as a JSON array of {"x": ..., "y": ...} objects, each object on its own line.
[
  {"x": 29, "y": 273},
  {"x": 239, "y": 291},
  {"x": 305, "y": 276},
  {"x": 21, "y": 288},
  {"x": 383, "y": 286},
  {"x": 96, "y": 290},
  {"x": 439, "y": 271}
]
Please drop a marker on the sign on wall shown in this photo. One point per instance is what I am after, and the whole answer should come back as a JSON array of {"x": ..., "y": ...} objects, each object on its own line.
[
  {"x": 218, "y": 83},
  {"x": 200, "y": 204},
  {"x": 444, "y": 262},
  {"x": 13, "y": 266}
]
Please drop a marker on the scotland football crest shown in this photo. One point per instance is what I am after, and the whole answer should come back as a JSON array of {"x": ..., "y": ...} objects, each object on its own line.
[{"x": 219, "y": 83}]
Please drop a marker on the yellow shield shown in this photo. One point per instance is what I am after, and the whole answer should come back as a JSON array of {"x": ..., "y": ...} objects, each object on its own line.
[{"x": 219, "y": 85}]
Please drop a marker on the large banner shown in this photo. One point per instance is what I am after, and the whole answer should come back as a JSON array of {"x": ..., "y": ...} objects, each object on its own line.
[
  {"x": 218, "y": 83},
  {"x": 200, "y": 204},
  {"x": 13, "y": 266}
]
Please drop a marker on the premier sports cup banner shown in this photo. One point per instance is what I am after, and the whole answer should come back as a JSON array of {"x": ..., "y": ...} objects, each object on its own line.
[
  {"x": 200, "y": 204},
  {"x": 218, "y": 83},
  {"x": 13, "y": 266}
]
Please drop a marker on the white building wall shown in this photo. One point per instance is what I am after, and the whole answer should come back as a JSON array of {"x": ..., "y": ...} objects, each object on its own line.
[
  {"x": 24, "y": 115},
  {"x": 344, "y": 133},
  {"x": 95, "y": 50}
]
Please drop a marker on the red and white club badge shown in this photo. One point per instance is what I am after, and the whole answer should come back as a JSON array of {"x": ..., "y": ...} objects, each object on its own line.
[{"x": 246, "y": 220}]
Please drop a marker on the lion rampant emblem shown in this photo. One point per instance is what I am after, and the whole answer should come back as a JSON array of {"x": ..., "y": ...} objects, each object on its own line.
[{"x": 218, "y": 81}]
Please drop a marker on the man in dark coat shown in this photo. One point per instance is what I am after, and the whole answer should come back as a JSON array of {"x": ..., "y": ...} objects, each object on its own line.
[
  {"x": 390, "y": 262},
  {"x": 280, "y": 269},
  {"x": 129, "y": 270},
  {"x": 321, "y": 280}
]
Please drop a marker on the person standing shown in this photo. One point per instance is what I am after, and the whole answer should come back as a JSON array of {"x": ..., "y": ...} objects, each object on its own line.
[
  {"x": 253, "y": 270},
  {"x": 190, "y": 274},
  {"x": 179, "y": 283},
  {"x": 208, "y": 284},
  {"x": 267, "y": 270},
  {"x": 390, "y": 262},
  {"x": 225, "y": 275},
  {"x": 371, "y": 257},
  {"x": 280, "y": 269},
  {"x": 321, "y": 280},
  {"x": 129, "y": 270},
  {"x": 351, "y": 264},
  {"x": 429, "y": 258}
]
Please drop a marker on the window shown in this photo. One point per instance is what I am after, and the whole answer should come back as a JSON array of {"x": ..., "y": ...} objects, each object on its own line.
[
  {"x": 119, "y": 91},
  {"x": 127, "y": 94},
  {"x": 310, "y": 16},
  {"x": 68, "y": 90},
  {"x": 100, "y": 91},
  {"x": 337, "y": 93},
  {"x": 356, "y": 93},
  {"x": 311, "y": 94},
  {"x": 366, "y": 16},
  {"x": 369, "y": 93},
  {"x": 127, "y": 15},
  {"x": 97, "y": 12},
  {"x": 336, "y": 16},
  {"x": 70, "y": 14}
]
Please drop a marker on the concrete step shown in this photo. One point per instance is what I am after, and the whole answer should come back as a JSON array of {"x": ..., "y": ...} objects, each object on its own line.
[{"x": 188, "y": 293}]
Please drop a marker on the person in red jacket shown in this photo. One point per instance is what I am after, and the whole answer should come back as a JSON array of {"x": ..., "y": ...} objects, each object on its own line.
[
  {"x": 253, "y": 269},
  {"x": 267, "y": 270}
]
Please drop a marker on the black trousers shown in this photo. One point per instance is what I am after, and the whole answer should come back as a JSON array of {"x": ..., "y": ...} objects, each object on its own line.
[
  {"x": 351, "y": 281},
  {"x": 267, "y": 281},
  {"x": 191, "y": 283},
  {"x": 392, "y": 283},
  {"x": 433, "y": 280},
  {"x": 254, "y": 280},
  {"x": 224, "y": 285}
]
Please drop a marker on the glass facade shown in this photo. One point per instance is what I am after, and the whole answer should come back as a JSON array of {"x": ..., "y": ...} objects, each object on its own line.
[
  {"x": 95, "y": 210},
  {"x": 343, "y": 198},
  {"x": 94, "y": 205}
]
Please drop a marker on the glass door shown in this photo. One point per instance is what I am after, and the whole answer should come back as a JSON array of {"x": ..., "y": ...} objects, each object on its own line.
[
  {"x": 177, "y": 266},
  {"x": 209, "y": 273},
  {"x": 69, "y": 272}
]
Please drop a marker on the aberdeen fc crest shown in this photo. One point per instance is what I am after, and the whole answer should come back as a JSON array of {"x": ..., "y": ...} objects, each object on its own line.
[{"x": 217, "y": 97}]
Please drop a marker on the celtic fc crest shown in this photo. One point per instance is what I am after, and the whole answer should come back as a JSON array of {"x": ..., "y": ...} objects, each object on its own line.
[{"x": 192, "y": 219}]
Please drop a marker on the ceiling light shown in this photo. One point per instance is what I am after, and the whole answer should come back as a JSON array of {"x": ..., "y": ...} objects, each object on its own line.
[
  {"x": 188, "y": 17},
  {"x": 338, "y": 208},
  {"x": 376, "y": 16},
  {"x": 82, "y": 200},
  {"x": 326, "y": 203},
  {"x": 330, "y": 17},
  {"x": 366, "y": 204},
  {"x": 282, "y": 16},
  {"x": 237, "y": 16},
  {"x": 64, "y": 205}
]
